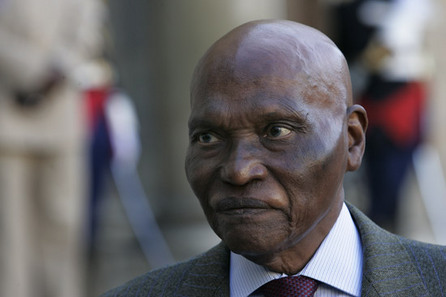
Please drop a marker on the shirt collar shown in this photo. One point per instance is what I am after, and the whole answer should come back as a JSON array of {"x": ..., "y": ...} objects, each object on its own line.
[{"x": 337, "y": 263}]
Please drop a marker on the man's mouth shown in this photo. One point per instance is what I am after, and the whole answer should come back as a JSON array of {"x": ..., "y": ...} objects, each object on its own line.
[{"x": 240, "y": 206}]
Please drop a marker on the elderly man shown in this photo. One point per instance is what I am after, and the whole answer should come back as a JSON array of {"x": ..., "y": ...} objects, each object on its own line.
[{"x": 272, "y": 132}]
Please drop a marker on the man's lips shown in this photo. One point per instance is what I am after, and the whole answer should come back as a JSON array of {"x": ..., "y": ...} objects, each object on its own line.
[{"x": 240, "y": 205}]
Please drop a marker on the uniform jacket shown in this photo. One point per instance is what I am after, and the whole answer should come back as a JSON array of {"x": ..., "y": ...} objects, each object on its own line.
[
  {"x": 36, "y": 39},
  {"x": 393, "y": 266}
]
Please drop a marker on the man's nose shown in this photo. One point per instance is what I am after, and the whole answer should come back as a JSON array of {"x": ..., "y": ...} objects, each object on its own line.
[{"x": 243, "y": 164}]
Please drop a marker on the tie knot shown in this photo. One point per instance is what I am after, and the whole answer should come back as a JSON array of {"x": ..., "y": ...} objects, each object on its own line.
[{"x": 291, "y": 286}]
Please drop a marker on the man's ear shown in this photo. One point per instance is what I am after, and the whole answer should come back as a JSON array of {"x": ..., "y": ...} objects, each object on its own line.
[{"x": 357, "y": 125}]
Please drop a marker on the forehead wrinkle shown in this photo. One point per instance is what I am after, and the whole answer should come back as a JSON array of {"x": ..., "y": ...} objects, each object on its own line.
[
  {"x": 306, "y": 70},
  {"x": 275, "y": 52},
  {"x": 220, "y": 112}
]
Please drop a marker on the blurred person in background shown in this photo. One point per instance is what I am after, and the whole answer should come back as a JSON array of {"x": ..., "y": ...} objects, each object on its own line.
[
  {"x": 46, "y": 50},
  {"x": 383, "y": 41}
]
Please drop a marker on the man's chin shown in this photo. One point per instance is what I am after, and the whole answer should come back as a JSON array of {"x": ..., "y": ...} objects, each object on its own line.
[
  {"x": 252, "y": 246},
  {"x": 252, "y": 232}
]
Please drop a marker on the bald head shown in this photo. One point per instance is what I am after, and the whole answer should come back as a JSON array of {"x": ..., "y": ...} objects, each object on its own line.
[{"x": 281, "y": 50}]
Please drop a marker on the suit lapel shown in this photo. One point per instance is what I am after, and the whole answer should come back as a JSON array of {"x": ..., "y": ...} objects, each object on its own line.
[{"x": 388, "y": 269}]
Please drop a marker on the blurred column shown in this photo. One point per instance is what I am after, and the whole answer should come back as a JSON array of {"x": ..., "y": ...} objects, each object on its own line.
[
  {"x": 309, "y": 12},
  {"x": 437, "y": 103}
]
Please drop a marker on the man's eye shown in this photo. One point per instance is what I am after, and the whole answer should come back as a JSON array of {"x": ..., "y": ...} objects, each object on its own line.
[
  {"x": 277, "y": 132},
  {"x": 207, "y": 138}
]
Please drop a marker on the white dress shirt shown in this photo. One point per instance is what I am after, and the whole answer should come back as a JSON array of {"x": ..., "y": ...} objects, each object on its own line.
[{"x": 337, "y": 264}]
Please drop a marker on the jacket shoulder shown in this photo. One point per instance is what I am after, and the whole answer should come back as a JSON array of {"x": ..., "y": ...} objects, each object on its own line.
[
  {"x": 150, "y": 282},
  {"x": 396, "y": 264},
  {"x": 430, "y": 261},
  {"x": 203, "y": 275}
]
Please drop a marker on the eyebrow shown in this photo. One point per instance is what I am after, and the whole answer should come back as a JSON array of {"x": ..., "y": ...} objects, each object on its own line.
[{"x": 193, "y": 123}]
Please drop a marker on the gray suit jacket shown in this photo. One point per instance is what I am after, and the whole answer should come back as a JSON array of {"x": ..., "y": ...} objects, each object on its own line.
[{"x": 393, "y": 266}]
